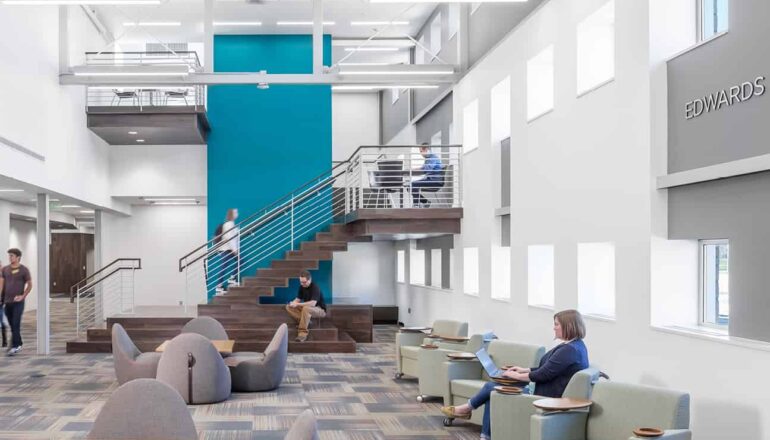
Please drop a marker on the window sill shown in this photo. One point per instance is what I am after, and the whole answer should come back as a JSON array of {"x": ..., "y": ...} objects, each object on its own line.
[
  {"x": 470, "y": 150},
  {"x": 436, "y": 288},
  {"x": 502, "y": 300},
  {"x": 595, "y": 317},
  {"x": 540, "y": 115},
  {"x": 713, "y": 335},
  {"x": 592, "y": 89},
  {"x": 541, "y": 307},
  {"x": 475, "y": 295},
  {"x": 697, "y": 45}
]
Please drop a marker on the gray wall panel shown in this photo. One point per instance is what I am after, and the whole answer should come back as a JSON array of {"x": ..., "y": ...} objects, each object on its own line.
[
  {"x": 394, "y": 116},
  {"x": 734, "y": 132},
  {"x": 438, "y": 119},
  {"x": 491, "y": 22},
  {"x": 737, "y": 209}
]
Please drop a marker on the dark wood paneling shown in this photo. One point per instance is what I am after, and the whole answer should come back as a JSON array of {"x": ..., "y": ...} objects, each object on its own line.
[{"x": 69, "y": 259}]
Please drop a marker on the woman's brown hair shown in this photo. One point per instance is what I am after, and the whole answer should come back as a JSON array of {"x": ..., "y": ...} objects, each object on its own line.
[{"x": 572, "y": 325}]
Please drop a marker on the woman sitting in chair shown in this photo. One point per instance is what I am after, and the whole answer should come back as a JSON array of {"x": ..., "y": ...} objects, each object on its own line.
[{"x": 552, "y": 375}]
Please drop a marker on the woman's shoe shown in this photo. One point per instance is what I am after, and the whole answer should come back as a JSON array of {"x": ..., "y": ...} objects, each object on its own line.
[{"x": 449, "y": 411}]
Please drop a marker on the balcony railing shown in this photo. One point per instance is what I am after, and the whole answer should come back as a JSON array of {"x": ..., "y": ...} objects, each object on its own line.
[{"x": 166, "y": 58}]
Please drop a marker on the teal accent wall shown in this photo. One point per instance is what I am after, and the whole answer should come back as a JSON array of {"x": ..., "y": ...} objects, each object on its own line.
[{"x": 265, "y": 143}]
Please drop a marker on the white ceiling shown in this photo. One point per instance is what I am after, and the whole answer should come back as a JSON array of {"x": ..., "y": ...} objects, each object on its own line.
[{"x": 190, "y": 14}]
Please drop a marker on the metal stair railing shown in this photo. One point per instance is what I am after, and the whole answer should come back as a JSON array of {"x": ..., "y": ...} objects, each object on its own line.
[
  {"x": 370, "y": 178},
  {"x": 105, "y": 293}
]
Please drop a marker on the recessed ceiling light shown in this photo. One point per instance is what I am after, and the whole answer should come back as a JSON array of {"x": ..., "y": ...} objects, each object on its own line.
[
  {"x": 377, "y": 87},
  {"x": 302, "y": 23},
  {"x": 171, "y": 199},
  {"x": 87, "y": 211},
  {"x": 363, "y": 64},
  {"x": 70, "y": 206},
  {"x": 140, "y": 140},
  {"x": 379, "y": 23},
  {"x": 237, "y": 23},
  {"x": 10, "y": 190},
  {"x": 175, "y": 203},
  {"x": 133, "y": 132},
  {"x": 152, "y": 23},
  {"x": 371, "y": 49}
]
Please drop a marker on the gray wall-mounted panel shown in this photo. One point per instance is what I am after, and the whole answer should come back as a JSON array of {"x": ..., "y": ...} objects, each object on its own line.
[
  {"x": 394, "y": 116},
  {"x": 438, "y": 119},
  {"x": 735, "y": 131},
  {"x": 737, "y": 209}
]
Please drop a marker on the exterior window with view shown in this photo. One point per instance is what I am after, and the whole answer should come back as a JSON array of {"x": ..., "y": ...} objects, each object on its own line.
[
  {"x": 715, "y": 293},
  {"x": 714, "y": 16}
]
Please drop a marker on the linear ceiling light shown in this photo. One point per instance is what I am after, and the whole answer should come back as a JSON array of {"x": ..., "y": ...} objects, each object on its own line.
[
  {"x": 237, "y": 23},
  {"x": 363, "y": 64},
  {"x": 175, "y": 203},
  {"x": 131, "y": 70},
  {"x": 301, "y": 23},
  {"x": 153, "y": 199},
  {"x": 399, "y": 70},
  {"x": 377, "y": 87},
  {"x": 379, "y": 23},
  {"x": 78, "y": 2},
  {"x": 371, "y": 49},
  {"x": 69, "y": 206},
  {"x": 152, "y": 23},
  {"x": 87, "y": 211}
]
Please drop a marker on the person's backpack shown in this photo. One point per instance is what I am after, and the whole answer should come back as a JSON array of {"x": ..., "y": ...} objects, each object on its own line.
[{"x": 218, "y": 233}]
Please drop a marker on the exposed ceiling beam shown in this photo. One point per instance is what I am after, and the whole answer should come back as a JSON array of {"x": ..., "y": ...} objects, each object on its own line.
[{"x": 253, "y": 78}]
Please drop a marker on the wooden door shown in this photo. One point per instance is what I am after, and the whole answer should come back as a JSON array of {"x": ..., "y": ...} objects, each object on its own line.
[{"x": 69, "y": 252}]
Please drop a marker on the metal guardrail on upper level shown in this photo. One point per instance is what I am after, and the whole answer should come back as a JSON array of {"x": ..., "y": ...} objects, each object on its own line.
[
  {"x": 392, "y": 177},
  {"x": 106, "y": 292},
  {"x": 109, "y": 99}
]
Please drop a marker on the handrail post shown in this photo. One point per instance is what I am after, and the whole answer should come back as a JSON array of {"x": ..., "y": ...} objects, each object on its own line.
[
  {"x": 133, "y": 289},
  {"x": 77, "y": 313},
  {"x": 291, "y": 244},
  {"x": 360, "y": 183},
  {"x": 187, "y": 287},
  {"x": 238, "y": 260}
]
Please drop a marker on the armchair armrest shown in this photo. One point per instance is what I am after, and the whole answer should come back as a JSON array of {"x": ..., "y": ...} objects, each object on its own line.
[
  {"x": 409, "y": 339},
  {"x": 458, "y": 370},
  {"x": 567, "y": 425},
  {"x": 671, "y": 434},
  {"x": 510, "y": 415}
]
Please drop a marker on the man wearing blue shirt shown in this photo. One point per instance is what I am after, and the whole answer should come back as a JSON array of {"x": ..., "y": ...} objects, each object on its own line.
[{"x": 433, "y": 176}]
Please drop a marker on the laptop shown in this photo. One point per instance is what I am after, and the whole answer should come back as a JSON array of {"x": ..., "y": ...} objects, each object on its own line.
[{"x": 488, "y": 364}]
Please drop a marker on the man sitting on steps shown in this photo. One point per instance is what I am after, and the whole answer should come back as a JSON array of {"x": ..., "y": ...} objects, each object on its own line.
[{"x": 308, "y": 303}]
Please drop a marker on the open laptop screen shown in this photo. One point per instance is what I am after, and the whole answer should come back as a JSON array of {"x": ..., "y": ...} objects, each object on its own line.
[{"x": 488, "y": 363}]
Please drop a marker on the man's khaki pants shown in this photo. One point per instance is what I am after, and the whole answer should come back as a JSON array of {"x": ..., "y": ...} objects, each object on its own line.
[{"x": 303, "y": 314}]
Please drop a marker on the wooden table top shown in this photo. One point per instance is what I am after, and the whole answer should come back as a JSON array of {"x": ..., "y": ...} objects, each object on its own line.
[
  {"x": 562, "y": 404},
  {"x": 222, "y": 346}
]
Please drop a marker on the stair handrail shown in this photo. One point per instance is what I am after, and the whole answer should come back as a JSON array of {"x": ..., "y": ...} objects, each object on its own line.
[{"x": 80, "y": 285}]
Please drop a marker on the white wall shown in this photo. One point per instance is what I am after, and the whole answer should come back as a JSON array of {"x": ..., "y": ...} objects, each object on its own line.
[
  {"x": 355, "y": 122},
  {"x": 583, "y": 173},
  {"x": 159, "y": 235},
  {"x": 158, "y": 170},
  {"x": 365, "y": 274},
  {"x": 43, "y": 116}
]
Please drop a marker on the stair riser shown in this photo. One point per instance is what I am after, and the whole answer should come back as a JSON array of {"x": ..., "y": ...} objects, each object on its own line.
[
  {"x": 279, "y": 273},
  {"x": 250, "y": 291},
  {"x": 267, "y": 282},
  {"x": 295, "y": 264},
  {"x": 324, "y": 246},
  {"x": 309, "y": 255}
]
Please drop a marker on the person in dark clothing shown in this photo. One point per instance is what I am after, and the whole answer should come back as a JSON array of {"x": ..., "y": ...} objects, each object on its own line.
[
  {"x": 15, "y": 285},
  {"x": 433, "y": 176},
  {"x": 555, "y": 370},
  {"x": 309, "y": 303}
]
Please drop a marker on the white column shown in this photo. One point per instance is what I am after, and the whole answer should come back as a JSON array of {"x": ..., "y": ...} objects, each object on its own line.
[
  {"x": 208, "y": 36},
  {"x": 462, "y": 37},
  {"x": 42, "y": 285},
  {"x": 64, "y": 55},
  {"x": 98, "y": 237},
  {"x": 318, "y": 37}
]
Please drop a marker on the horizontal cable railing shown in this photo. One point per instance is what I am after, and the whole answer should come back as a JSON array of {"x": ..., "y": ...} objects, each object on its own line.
[
  {"x": 124, "y": 99},
  {"x": 392, "y": 177},
  {"x": 152, "y": 58},
  {"x": 106, "y": 292}
]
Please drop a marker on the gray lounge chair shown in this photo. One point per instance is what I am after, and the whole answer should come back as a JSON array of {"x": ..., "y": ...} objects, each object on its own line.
[
  {"x": 206, "y": 326},
  {"x": 210, "y": 376},
  {"x": 261, "y": 371},
  {"x": 130, "y": 363},
  {"x": 304, "y": 428}
]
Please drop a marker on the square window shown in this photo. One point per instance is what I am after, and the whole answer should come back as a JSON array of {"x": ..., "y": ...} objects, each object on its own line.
[
  {"x": 471, "y": 126},
  {"x": 715, "y": 283},
  {"x": 596, "y": 48},
  {"x": 394, "y": 94},
  {"x": 419, "y": 52},
  {"x": 596, "y": 279},
  {"x": 475, "y": 7},
  {"x": 400, "y": 266},
  {"x": 501, "y": 272},
  {"x": 714, "y": 17},
  {"x": 471, "y": 271},
  {"x": 435, "y": 267},
  {"x": 417, "y": 267},
  {"x": 540, "y": 275},
  {"x": 435, "y": 34},
  {"x": 501, "y": 110},
  {"x": 540, "y": 84}
]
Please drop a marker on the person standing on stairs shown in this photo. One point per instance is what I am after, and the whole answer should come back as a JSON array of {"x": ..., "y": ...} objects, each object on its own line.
[
  {"x": 229, "y": 252},
  {"x": 309, "y": 303},
  {"x": 15, "y": 285}
]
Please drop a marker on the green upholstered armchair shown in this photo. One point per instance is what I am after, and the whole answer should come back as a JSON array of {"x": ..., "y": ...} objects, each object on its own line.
[
  {"x": 431, "y": 362},
  {"x": 510, "y": 414},
  {"x": 463, "y": 379},
  {"x": 408, "y": 345},
  {"x": 619, "y": 408}
]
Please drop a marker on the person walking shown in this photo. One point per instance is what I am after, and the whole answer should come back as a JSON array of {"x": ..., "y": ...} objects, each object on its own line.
[
  {"x": 3, "y": 319},
  {"x": 229, "y": 251},
  {"x": 15, "y": 285}
]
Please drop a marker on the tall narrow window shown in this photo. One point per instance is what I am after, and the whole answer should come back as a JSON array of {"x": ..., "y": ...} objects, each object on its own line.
[
  {"x": 540, "y": 275},
  {"x": 417, "y": 267},
  {"x": 715, "y": 278},
  {"x": 419, "y": 52},
  {"x": 471, "y": 271},
  {"x": 501, "y": 110},
  {"x": 471, "y": 126},
  {"x": 394, "y": 94},
  {"x": 435, "y": 34},
  {"x": 400, "y": 266},
  {"x": 540, "y": 84},
  {"x": 596, "y": 48},
  {"x": 714, "y": 17},
  {"x": 454, "y": 19},
  {"x": 505, "y": 174},
  {"x": 596, "y": 279}
]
